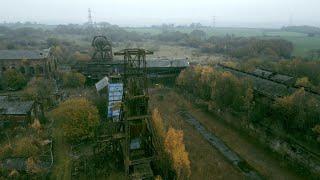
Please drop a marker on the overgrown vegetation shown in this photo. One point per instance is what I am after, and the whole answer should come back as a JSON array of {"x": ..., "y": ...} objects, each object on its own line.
[
  {"x": 79, "y": 118},
  {"x": 13, "y": 80},
  {"x": 222, "y": 89},
  {"x": 73, "y": 80},
  {"x": 306, "y": 72},
  {"x": 28, "y": 150},
  {"x": 42, "y": 91},
  {"x": 172, "y": 151},
  {"x": 296, "y": 114}
]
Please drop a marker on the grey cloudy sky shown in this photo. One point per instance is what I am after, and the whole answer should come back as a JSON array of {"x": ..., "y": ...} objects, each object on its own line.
[{"x": 262, "y": 13}]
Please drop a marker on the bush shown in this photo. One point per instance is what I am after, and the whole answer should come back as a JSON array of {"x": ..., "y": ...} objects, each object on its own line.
[
  {"x": 158, "y": 124},
  {"x": 41, "y": 90},
  {"x": 230, "y": 92},
  {"x": 226, "y": 90},
  {"x": 5, "y": 151},
  {"x": 14, "y": 80},
  {"x": 77, "y": 56},
  {"x": 316, "y": 130},
  {"x": 25, "y": 147},
  {"x": 32, "y": 165},
  {"x": 73, "y": 80},
  {"x": 297, "y": 112},
  {"x": 78, "y": 118}
]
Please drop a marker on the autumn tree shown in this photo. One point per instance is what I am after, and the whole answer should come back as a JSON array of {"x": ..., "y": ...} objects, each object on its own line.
[
  {"x": 297, "y": 112},
  {"x": 303, "y": 82},
  {"x": 41, "y": 90},
  {"x": 73, "y": 79},
  {"x": 80, "y": 56},
  {"x": 230, "y": 92},
  {"x": 78, "y": 118},
  {"x": 164, "y": 163},
  {"x": 158, "y": 123},
  {"x": 197, "y": 80},
  {"x": 175, "y": 147}
]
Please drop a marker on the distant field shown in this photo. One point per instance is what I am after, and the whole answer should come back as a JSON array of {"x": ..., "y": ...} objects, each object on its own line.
[
  {"x": 210, "y": 31},
  {"x": 302, "y": 43}
]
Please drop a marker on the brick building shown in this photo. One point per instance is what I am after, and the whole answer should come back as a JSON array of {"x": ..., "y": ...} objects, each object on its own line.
[{"x": 28, "y": 62}]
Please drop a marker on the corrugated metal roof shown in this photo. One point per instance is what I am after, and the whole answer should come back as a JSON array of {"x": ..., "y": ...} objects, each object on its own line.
[
  {"x": 14, "y": 107},
  {"x": 282, "y": 78},
  {"x": 23, "y": 54},
  {"x": 262, "y": 73},
  {"x": 154, "y": 63}
]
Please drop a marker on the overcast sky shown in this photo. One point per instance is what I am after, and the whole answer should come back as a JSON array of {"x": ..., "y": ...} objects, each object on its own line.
[{"x": 251, "y": 13}]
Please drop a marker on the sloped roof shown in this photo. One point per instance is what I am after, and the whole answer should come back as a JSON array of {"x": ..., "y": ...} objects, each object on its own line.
[
  {"x": 14, "y": 107},
  {"x": 23, "y": 54}
]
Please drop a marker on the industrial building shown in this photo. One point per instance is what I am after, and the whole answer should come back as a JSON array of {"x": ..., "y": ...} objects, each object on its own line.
[
  {"x": 14, "y": 111},
  {"x": 28, "y": 62}
]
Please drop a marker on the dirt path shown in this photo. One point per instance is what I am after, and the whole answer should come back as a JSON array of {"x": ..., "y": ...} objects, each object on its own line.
[
  {"x": 62, "y": 164},
  {"x": 258, "y": 157}
]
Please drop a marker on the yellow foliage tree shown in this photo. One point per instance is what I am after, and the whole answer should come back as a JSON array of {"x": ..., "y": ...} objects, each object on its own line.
[
  {"x": 297, "y": 111},
  {"x": 78, "y": 118},
  {"x": 228, "y": 91},
  {"x": 81, "y": 56},
  {"x": 73, "y": 79},
  {"x": 175, "y": 147},
  {"x": 158, "y": 123},
  {"x": 304, "y": 82}
]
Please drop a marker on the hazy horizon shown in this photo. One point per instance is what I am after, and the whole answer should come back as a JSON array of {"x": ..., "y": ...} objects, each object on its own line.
[{"x": 231, "y": 13}]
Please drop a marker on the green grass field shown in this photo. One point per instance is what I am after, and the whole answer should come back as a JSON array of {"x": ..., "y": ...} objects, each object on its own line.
[{"x": 302, "y": 43}]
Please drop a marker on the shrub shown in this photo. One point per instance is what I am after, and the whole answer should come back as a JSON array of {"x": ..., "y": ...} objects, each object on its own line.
[
  {"x": 303, "y": 82},
  {"x": 225, "y": 89},
  {"x": 5, "y": 151},
  {"x": 80, "y": 56},
  {"x": 297, "y": 112},
  {"x": 316, "y": 130},
  {"x": 229, "y": 91},
  {"x": 78, "y": 118},
  {"x": 158, "y": 123},
  {"x": 32, "y": 166},
  {"x": 41, "y": 90},
  {"x": 14, "y": 80},
  {"x": 25, "y": 147},
  {"x": 73, "y": 80}
]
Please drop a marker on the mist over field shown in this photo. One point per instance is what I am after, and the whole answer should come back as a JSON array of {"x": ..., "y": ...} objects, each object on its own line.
[{"x": 231, "y": 13}]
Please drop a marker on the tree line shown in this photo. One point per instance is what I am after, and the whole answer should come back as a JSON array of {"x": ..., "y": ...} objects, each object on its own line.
[
  {"x": 239, "y": 47},
  {"x": 298, "y": 113}
]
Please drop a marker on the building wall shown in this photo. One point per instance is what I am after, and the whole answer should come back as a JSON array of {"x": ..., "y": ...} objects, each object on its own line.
[
  {"x": 30, "y": 66},
  {"x": 14, "y": 120}
]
